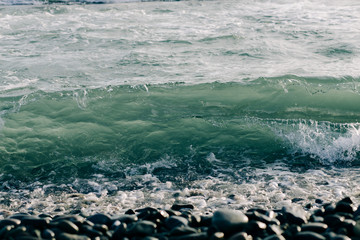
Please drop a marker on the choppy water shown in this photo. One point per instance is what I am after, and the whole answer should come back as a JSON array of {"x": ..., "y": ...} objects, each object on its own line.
[{"x": 105, "y": 107}]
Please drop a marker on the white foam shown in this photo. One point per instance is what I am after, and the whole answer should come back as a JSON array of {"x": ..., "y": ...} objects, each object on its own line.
[{"x": 328, "y": 142}]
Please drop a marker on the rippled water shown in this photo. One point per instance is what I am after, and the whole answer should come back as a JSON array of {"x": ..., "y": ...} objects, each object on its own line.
[{"x": 118, "y": 105}]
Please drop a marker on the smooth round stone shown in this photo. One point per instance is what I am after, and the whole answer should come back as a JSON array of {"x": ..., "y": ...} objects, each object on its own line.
[
  {"x": 314, "y": 227},
  {"x": 5, "y": 230},
  {"x": 274, "y": 229},
  {"x": 241, "y": 236},
  {"x": 100, "y": 218},
  {"x": 262, "y": 218},
  {"x": 71, "y": 218},
  {"x": 35, "y": 222},
  {"x": 67, "y": 226},
  {"x": 183, "y": 230},
  {"x": 344, "y": 207},
  {"x": 333, "y": 220},
  {"x": 178, "y": 207},
  {"x": 357, "y": 228},
  {"x": 206, "y": 220},
  {"x": 255, "y": 228},
  {"x": 48, "y": 234},
  {"x": 101, "y": 227},
  {"x": 175, "y": 221},
  {"x": 126, "y": 218},
  {"x": 14, "y": 232},
  {"x": 295, "y": 215},
  {"x": 347, "y": 200},
  {"x": 218, "y": 236},
  {"x": 9, "y": 222},
  {"x": 142, "y": 228},
  {"x": 68, "y": 236},
  {"x": 193, "y": 236},
  {"x": 228, "y": 221},
  {"x": 120, "y": 231},
  {"x": 340, "y": 237},
  {"x": 314, "y": 218},
  {"x": 274, "y": 237},
  {"x": 130, "y": 212},
  {"x": 19, "y": 215},
  {"x": 308, "y": 236},
  {"x": 149, "y": 238},
  {"x": 349, "y": 225},
  {"x": 329, "y": 209},
  {"x": 90, "y": 232}
]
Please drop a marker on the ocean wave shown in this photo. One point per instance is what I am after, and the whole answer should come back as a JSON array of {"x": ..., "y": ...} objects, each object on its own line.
[{"x": 69, "y": 132}]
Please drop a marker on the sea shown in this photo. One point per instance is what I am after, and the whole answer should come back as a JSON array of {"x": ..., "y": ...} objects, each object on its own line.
[{"x": 110, "y": 105}]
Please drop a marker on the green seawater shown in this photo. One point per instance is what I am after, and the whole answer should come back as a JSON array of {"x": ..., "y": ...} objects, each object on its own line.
[{"x": 66, "y": 133}]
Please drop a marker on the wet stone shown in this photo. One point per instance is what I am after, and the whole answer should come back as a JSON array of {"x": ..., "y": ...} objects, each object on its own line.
[
  {"x": 333, "y": 220},
  {"x": 262, "y": 218},
  {"x": 274, "y": 237},
  {"x": 5, "y": 230},
  {"x": 314, "y": 218},
  {"x": 329, "y": 209},
  {"x": 67, "y": 226},
  {"x": 130, "y": 212},
  {"x": 178, "y": 207},
  {"x": 349, "y": 225},
  {"x": 35, "y": 222},
  {"x": 127, "y": 218},
  {"x": 9, "y": 222},
  {"x": 48, "y": 234},
  {"x": 100, "y": 218},
  {"x": 120, "y": 231},
  {"x": 241, "y": 236},
  {"x": 347, "y": 200},
  {"x": 294, "y": 215},
  {"x": 228, "y": 221},
  {"x": 142, "y": 228},
  {"x": 183, "y": 230},
  {"x": 309, "y": 236},
  {"x": 193, "y": 236},
  {"x": 175, "y": 221},
  {"x": 90, "y": 232},
  {"x": 314, "y": 227},
  {"x": 274, "y": 229},
  {"x": 68, "y": 236},
  {"x": 19, "y": 215},
  {"x": 14, "y": 232},
  {"x": 255, "y": 228},
  {"x": 291, "y": 231},
  {"x": 344, "y": 207},
  {"x": 217, "y": 236},
  {"x": 101, "y": 227}
]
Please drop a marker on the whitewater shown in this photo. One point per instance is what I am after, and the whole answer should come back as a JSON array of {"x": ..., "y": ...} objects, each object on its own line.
[{"x": 111, "y": 105}]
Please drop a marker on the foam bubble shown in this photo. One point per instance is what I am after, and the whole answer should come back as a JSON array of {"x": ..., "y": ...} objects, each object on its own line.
[{"x": 328, "y": 142}]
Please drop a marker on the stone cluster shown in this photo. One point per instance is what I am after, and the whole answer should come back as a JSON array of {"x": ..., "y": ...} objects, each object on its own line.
[{"x": 340, "y": 221}]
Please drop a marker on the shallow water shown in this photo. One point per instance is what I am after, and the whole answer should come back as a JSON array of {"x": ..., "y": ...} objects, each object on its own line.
[{"x": 105, "y": 107}]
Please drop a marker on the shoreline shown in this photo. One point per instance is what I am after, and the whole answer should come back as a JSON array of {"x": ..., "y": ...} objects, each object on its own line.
[{"x": 334, "y": 221}]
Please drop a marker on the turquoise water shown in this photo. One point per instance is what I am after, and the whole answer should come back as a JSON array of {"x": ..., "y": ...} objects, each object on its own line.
[{"x": 137, "y": 102}]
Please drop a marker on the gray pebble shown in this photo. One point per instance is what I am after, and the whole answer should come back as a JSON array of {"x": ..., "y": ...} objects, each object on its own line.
[{"x": 228, "y": 221}]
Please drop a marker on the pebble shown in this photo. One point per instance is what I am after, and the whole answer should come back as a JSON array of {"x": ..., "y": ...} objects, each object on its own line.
[
  {"x": 330, "y": 221},
  {"x": 229, "y": 221},
  {"x": 294, "y": 215},
  {"x": 309, "y": 236},
  {"x": 175, "y": 221}
]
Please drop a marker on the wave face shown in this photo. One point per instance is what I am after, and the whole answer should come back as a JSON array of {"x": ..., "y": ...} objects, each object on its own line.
[{"x": 68, "y": 133}]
